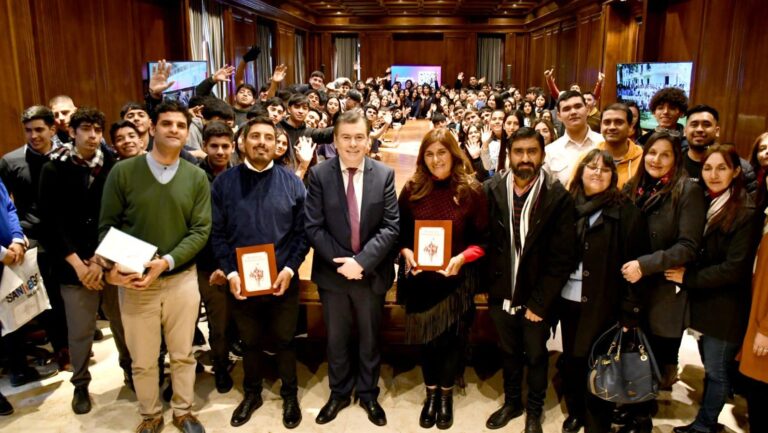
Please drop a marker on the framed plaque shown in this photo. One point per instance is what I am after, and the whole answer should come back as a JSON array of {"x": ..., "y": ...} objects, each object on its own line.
[
  {"x": 257, "y": 268},
  {"x": 433, "y": 244}
]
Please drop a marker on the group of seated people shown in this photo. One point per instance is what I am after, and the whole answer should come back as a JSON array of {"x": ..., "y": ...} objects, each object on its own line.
[{"x": 558, "y": 219}]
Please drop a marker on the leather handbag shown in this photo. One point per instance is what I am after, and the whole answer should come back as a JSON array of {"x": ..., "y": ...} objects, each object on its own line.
[{"x": 627, "y": 373}]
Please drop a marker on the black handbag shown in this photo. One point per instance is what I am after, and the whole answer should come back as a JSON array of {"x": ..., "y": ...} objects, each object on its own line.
[{"x": 620, "y": 376}]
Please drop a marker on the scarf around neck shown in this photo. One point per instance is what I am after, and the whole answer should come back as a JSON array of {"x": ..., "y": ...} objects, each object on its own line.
[
  {"x": 716, "y": 206},
  {"x": 68, "y": 152}
]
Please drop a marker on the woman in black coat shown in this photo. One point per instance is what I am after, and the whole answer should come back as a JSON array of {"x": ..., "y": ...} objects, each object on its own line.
[
  {"x": 675, "y": 212},
  {"x": 611, "y": 231},
  {"x": 718, "y": 284}
]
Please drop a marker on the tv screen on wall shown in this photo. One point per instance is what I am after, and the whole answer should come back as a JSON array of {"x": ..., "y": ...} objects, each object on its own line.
[
  {"x": 416, "y": 73},
  {"x": 186, "y": 75},
  {"x": 639, "y": 81}
]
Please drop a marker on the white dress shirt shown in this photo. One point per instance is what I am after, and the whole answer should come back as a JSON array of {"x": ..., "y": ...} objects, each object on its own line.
[{"x": 564, "y": 154}]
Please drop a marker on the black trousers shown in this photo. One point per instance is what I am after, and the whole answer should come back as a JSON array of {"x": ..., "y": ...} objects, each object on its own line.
[
  {"x": 524, "y": 344},
  {"x": 574, "y": 369},
  {"x": 441, "y": 358},
  {"x": 218, "y": 308},
  {"x": 54, "y": 321},
  {"x": 340, "y": 311},
  {"x": 757, "y": 403},
  {"x": 272, "y": 317}
]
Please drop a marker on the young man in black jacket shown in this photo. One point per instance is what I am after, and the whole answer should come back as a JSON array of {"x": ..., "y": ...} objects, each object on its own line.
[
  {"x": 74, "y": 180},
  {"x": 532, "y": 240}
]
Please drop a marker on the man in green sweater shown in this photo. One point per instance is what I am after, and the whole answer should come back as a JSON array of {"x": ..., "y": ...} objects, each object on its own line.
[{"x": 166, "y": 201}]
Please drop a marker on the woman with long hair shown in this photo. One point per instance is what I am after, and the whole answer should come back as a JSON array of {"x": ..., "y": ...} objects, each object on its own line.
[
  {"x": 493, "y": 140},
  {"x": 718, "y": 283},
  {"x": 512, "y": 122},
  {"x": 674, "y": 208},
  {"x": 438, "y": 304},
  {"x": 754, "y": 350},
  {"x": 471, "y": 143},
  {"x": 546, "y": 129},
  {"x": 611, "y": 231},
  {"x": 528, "y": 113},
  {"x": 333, "y": 108}
]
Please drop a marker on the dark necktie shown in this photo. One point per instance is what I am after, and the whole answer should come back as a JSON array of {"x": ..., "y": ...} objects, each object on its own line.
[{"x": 354, "y": 215}]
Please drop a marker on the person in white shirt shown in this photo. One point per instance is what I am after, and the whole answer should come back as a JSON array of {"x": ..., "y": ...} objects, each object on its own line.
[{"x": 564, "y": 153}]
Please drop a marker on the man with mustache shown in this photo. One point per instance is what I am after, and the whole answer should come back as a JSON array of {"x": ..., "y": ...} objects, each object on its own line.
[
  {"x": 533, "y": 236},
  {"x": 564, "y": 153}
]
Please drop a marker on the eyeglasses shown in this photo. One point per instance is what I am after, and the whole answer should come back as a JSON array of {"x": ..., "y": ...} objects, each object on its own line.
[{"x": 598, "y": 170}]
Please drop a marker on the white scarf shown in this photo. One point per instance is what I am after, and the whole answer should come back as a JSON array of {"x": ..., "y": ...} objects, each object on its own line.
[
  {"x": 716, "y": 206},
  {"x": 525, "y": 219}
]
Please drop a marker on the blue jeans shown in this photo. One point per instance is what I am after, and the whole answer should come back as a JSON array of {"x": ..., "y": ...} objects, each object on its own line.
[{"x": 716, "y": 355}]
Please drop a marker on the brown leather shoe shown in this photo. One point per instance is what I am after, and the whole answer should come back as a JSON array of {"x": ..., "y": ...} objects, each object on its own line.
[
  {"x": 188, "y": 424},
  {"x": 150, "y": 425}
]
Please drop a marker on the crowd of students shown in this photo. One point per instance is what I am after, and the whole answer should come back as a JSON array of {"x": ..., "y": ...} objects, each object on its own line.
[{"x": 559, "y": 212}]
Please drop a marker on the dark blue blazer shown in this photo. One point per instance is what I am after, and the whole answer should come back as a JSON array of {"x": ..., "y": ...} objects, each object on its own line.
[{"x": 328, "y": 228}]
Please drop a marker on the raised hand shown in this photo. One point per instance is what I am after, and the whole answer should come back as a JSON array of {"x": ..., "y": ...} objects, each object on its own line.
[
  {"x": 223, "y": 74},
  {"x": 158, "y": 82},
  {"x": 388, "y": 118},
  {"x": 548, "y": 73},
  {"x": 600, "y": 76},
  {"x": 460, "y": 76},
  {"x": 196, "y": 111},
  {"x": 280, "y": 72},
  {"x": 481, "y": 80},
  {"x": 305, "y": 150},
  {"x": 473, "y": 147},
  {"x": 486, "y": 134}
]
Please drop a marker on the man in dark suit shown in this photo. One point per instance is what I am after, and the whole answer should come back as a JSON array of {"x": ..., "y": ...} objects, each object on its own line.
[{"x": 352, "y": 223}]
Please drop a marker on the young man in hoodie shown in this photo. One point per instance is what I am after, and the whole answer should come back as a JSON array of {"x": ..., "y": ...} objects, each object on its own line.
[{"x": 616, "y": 128}]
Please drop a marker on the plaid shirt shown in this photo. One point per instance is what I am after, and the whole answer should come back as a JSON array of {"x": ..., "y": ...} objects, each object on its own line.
[{"x": 69, "y": 152}]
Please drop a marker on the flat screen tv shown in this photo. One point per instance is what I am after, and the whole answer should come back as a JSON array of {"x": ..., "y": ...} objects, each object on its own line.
[
  {"x": 186, "y": 75},
  {"x": 416, "y": 73},
  {"x": 639, "y": 81}
]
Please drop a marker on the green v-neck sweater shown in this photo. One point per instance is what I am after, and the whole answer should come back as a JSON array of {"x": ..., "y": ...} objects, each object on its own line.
[{"x": 175, "y": 217}]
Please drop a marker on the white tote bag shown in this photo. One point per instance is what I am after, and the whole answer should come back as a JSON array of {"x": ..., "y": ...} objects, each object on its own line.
[{"x": 22, "y": 293}]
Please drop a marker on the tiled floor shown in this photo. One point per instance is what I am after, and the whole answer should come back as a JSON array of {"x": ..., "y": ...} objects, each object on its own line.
[{"x": 45, "y": 407}]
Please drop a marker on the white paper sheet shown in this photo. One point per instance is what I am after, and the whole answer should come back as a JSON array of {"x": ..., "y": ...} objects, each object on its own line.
[{"x": 126, "y": 250}]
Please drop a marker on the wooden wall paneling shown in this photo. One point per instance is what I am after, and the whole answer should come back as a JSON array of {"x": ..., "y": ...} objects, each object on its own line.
[
  {"x": 326, "y": 44},
  {"x": 159, "y": 30},
  {"x": 589, "y": 50},
  {"x": 456, "y": 52},
  {"x": 376, "y": 53},
  {"x": 681, "y": 31},
  {"x": 418, "y": 48},
  {"x": 565, "y": 70},
  {"x": 620, "y": 42},
  {"x": 536, "y": 60},
  {"x": 520, "y": 73},
  {"x": 751, "y": 86},
  {"x": 286, "y": 49},
  {"x": 244, "y": 35},
  {"x": 651, "y": 30},
  {"x": 19, "y": 87}
]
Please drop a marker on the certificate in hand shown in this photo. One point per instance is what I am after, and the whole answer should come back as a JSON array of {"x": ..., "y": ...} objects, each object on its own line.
[
  {"x": 127, "y": 251},
  {"x": 433, "y": 244},
  {"x": 258, "y": 269}
]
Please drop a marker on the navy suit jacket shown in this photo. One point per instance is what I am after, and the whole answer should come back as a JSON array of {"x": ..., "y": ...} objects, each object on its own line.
[{"x": 328, "y": 228}]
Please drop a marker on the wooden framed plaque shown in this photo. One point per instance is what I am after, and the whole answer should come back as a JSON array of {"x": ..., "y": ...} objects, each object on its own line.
[
  {"x": 433, "y": 244},
  {"x": 258, "y": 269}
]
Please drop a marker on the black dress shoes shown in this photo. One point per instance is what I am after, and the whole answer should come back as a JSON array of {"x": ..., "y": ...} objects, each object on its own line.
[
  {"x": 638, "y": 425},
  {"x": 572, "y": 424},
  {"x": 81, "y": 401},
  {"x": 533, "y": 423},
  {"x": 501, "y": 417},
  {"x": 429, "y": 411},
  {"x": 375, "y": 413},
  {"x": 5, "y": 406},
  {"x": 331, "y": 409},
  {"x": 243, "y": 411},
  {"x": 223, "y": 380},
  {"x": 291, "y": 412},
  {"x": 691, "y": 429}
]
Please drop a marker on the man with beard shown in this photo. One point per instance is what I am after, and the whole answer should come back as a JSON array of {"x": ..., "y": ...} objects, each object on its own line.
[
  {"x": 702, "y": 131},
  {"x": 260, "y": 202},
  {"x": 564, "y": 153},
  {"x": 534, "y": 235}
]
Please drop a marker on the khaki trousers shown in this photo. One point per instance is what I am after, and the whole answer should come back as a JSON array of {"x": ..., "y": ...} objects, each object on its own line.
[{"x": 169, "y": 305}]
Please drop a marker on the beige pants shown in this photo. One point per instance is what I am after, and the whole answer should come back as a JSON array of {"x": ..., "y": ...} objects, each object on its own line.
[{"x": 169, "y": 305}]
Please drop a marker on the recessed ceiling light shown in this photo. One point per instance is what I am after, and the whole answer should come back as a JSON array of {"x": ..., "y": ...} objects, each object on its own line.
[{"x": 338, "y": 12}]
